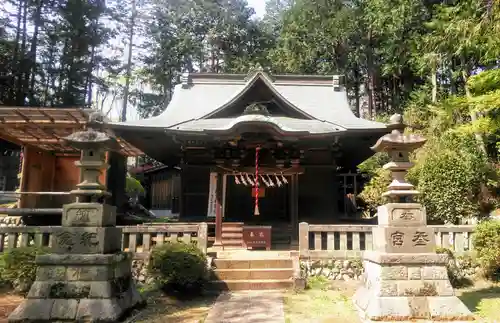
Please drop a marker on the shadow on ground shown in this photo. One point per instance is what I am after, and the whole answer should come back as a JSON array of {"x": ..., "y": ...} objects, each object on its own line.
[
  {"x": 482, "y": 301},
  {"x": 168, "y": 308}
]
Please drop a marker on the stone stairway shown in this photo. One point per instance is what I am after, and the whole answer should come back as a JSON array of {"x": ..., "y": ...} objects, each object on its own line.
[
  {"x": 232, "y": 235},
  {"x": 253, "y": 270}
]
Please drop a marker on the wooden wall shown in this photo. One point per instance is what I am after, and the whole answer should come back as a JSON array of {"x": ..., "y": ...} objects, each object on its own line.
[
  {"x": 317, "y": 195},
  {"x": 164, "y": 190},
  {"x": 44, "y": 171}
]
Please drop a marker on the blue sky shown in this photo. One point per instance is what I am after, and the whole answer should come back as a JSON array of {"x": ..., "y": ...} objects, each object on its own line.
[{"x": 259, "y": 6}]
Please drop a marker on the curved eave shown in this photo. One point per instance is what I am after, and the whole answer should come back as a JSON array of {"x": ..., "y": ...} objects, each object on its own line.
[{"x": 282, "y": 126}]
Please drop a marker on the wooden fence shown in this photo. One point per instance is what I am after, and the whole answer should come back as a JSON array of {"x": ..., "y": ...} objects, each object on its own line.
[{"x": 348, "y": 241}]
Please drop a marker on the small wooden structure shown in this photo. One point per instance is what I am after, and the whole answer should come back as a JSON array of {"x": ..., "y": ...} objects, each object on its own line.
[{"x": 39, "y": 131}]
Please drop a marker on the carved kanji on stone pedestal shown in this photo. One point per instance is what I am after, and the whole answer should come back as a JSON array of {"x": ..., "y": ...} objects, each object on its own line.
[
  {"x": 86, "y": 278},
  {"x": 404, "y": 277}
]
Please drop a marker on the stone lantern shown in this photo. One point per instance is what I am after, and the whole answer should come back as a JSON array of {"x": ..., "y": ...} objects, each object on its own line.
[
  {"x": 404, "y": 277},
  {"x": 399, "y": 146},
  {"x": 86, "y": 278}
]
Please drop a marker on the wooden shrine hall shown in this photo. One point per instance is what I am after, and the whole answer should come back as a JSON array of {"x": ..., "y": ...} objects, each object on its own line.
[
  {"x": 255, "y": 150},
  {"x": 38, "y": 133}
]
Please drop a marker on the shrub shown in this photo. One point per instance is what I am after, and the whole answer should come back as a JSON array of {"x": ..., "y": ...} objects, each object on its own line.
[
  {"x": 455, "y": 273},
  {"x": 486, "y": 241},
  {"x": 18, "y": 268},
  {"x": 450, "y": 171},
  {"x": 179, "y": 267}
]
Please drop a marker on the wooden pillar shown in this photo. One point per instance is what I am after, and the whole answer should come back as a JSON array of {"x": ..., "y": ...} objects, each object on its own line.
[
  {"x": 181, "y": 191},
  {"x": 218, "y": 213},
  {"x": 224, "y": 192},
  {"x": 294, "y": 207},
  {"x": 24, "y": 176}
]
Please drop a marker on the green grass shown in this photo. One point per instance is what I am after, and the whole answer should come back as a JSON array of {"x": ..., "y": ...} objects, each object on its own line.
[
  {"x": 483, "y": 300},
  {"x": 326, "y": 301},
  {"x": 321, "y": 302}
]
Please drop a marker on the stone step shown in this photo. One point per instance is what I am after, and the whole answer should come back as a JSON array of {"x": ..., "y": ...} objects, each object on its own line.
[
  {"x": 232, "y": 244},
  {"x": 232, "y": 224},
  {"x": 261, "y": 284},
  {"x": 231, "y": 240},
  {"x": 253, "y": 263},
  {"x": 254, "y": 274},
  {"x": 232, "y": 235},
  {"x": 232, "y": 229},
  {"x": 253, "y": 254}
]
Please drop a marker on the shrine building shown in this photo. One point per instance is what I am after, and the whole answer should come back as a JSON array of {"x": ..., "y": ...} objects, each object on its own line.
[{"x": 255, "y": 149}]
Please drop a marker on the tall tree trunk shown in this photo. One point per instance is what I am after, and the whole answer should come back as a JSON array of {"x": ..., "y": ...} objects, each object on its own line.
[
  {"x": 357, "y": 83},
  {"x": 16, "y": 56},
  {"x": 371, "y": 83},
  {"x": 32, "y": 55},
  {"x": 129, "y": 61},
  {"x": 21, "y": 91}
]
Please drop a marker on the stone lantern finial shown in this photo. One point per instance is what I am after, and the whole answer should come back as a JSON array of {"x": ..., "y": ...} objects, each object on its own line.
[{"x": 399, "y": 146}]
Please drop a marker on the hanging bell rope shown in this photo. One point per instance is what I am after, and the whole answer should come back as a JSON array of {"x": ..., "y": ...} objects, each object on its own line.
[{"x": 256, "y": 209}]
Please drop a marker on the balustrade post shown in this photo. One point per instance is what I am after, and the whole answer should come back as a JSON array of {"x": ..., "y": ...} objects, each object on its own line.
[
  {"x": 202, "y": 237},
  {"x": 304, "y": 238}
]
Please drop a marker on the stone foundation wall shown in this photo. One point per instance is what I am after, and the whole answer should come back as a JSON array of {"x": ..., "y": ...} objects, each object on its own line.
[
  {"x": 341, "y": 269},
  {"x": 332, "y": 269},
  {"x": 140, "y": 272}
]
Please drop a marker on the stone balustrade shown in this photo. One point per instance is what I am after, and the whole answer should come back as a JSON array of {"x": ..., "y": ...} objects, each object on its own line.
[
  {"x": 315, "y": 241},
  {"x": 136, "y": 239},
  {"x": 349, "y": 241}
]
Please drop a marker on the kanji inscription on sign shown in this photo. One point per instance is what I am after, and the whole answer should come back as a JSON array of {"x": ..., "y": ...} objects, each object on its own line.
[
  {"x": 89, "y": 239},
  {"x": 397, "y": 238},
  {"x": 420, "y": 238},
  {"x": 65, "y": 240},
  {"x": 407, "y": 215},
  {"x": 82, "y": 215},
  {"x": 257, "y": 237}
]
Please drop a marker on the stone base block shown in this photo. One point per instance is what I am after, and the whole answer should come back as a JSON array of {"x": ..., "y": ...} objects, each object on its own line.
[
  {"x": 80, "y": 288},
  {"x": 77, "y": 310},
  {"x": 401, "y": 308}
]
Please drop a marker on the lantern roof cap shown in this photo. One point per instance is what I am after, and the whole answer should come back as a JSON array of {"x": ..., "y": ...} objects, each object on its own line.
[{"x": 397, "y": 139}]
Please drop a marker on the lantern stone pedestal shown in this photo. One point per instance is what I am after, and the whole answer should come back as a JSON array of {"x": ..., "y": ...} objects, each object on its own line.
[
  {"x": 404, "y": 277},
  {"x": 86, "y": 278}
]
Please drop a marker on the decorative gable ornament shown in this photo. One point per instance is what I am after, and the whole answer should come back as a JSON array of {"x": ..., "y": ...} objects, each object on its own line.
[
  {"x": 257, "y": 69},
  {"x": 256, "y": 108}
]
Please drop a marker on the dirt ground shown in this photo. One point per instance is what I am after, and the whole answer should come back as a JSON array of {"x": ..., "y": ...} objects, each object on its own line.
[
  {"x": 8, "y": 303},
  {"x": 323, "y": 303}
]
